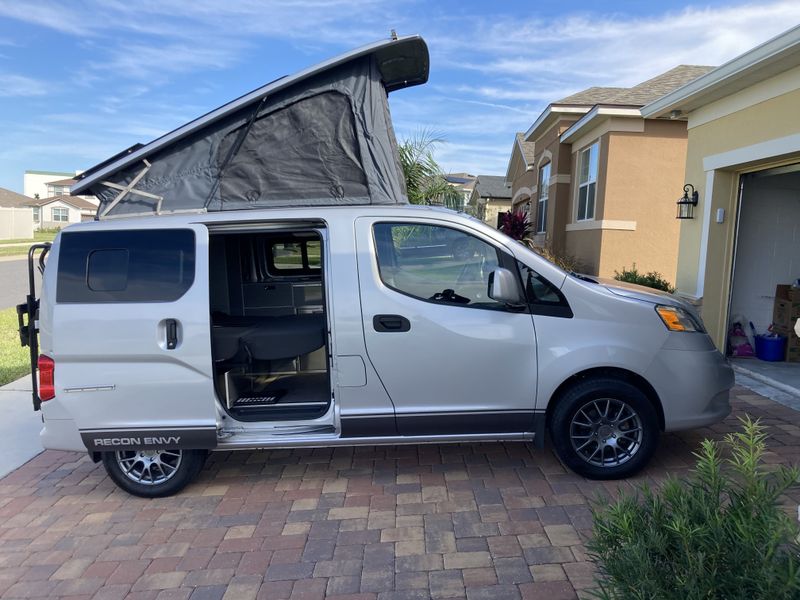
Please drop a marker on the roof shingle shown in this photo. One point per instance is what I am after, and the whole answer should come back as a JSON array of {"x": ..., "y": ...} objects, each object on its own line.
[
  {"x": 528, "y": 149},
  {"x": 640, "y": 94},
  {"x": 9, "y": 199},
  {"x": 75, "y": 201},
  {"x": 492, "y": 186}
]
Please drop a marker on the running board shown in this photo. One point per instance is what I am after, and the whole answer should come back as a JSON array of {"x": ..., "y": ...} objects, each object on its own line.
[{"x": 244, "y": 441}]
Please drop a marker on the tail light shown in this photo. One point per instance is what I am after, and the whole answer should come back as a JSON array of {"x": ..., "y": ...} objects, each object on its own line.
[{"x": 47, "y": 368}]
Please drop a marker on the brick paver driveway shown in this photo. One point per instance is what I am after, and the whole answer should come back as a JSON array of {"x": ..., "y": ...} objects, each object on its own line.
[{"x": 434, "y": 521}]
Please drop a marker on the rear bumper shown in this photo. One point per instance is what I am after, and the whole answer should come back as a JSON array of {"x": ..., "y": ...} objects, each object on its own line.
[
  {"x": 61, "y": 434},
  {"x": 693, "y": 385}
]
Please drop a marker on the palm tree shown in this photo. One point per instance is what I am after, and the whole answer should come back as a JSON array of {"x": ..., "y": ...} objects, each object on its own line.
[{"x": 425, "y": 180}]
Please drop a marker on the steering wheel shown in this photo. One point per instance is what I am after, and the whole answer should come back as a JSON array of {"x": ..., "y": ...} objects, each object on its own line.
[{"x": 450, "y": 296}]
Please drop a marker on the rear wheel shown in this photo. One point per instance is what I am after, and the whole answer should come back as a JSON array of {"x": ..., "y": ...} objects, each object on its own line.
[
  {"x": 604, "y": 429},
  {"x": 153, "y": 473}
]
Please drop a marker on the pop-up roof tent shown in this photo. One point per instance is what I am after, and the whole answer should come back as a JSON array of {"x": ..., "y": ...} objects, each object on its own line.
[{"x": 320, "y": 137}]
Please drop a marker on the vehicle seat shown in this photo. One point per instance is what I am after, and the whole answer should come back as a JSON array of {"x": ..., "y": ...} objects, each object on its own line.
[{"x": 266, "y": 338}]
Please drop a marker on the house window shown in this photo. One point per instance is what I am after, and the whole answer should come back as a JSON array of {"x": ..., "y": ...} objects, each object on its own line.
[
  {"x": 544, "y": 192},
  {"x": 58, "y": 190},
  {"x": 587, "y": 188},
  {"x": 36, "y": 214},
  {"x": 60, "y": 215}
]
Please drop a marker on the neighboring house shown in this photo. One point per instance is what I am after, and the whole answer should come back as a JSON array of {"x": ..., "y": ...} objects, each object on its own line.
[
  {"x": 490, "y": 197},
  {"x": 10, "y": 199},
  {"x": 49, "y": 198},
  {"x": 60, "y": 211},
  {"x": 43, "y": 184},
  {"x": 744, "y": 161},
  {"x": 464, "y": 183},
  {"x": 598, "y": 180},
  {"x": 16, "y": 221}
]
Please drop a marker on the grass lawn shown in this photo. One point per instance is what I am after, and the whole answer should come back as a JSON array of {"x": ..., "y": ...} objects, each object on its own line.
[
  {"x": 6, "y": 249},
  {"x": 14, "y": 359}
]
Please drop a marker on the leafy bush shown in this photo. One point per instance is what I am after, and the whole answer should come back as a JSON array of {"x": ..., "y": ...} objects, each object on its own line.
[
  {"x": 566, "y": 261},
  {"x": 653, "y": 279},
  {"x": 718, "y": 535},
  {"x": 516, "y": 225}
]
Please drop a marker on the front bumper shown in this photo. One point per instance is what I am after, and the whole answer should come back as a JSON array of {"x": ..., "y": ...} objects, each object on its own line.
[{"x": 693, "y": 385}]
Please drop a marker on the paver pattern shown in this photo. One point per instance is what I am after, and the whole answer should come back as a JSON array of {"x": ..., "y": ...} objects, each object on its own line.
[{"x": 477, "y": 521}]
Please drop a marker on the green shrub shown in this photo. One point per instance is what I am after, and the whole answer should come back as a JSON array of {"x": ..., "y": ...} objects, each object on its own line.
[
  {"x": 653, "y": 279},
  {"x": 720, "y": 534}
]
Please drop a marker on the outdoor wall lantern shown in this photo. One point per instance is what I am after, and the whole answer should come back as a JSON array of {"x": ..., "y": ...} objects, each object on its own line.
[{"x": 687, "y": 202}]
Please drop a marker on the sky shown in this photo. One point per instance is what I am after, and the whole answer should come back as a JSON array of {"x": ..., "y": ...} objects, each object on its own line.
[{"x": 81, "y": 80}]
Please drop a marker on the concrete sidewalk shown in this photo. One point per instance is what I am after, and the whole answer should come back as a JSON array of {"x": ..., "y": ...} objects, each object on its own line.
[{"x": 19, "y": 427}]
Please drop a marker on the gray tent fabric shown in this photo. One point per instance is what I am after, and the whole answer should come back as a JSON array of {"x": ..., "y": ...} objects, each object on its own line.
[{"x": 325, "y": 140}]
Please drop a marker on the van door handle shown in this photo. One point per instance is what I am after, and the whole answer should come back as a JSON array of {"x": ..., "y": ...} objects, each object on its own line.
[
  {"x": 172, "y": 334},
  {"x": 390, "y": 323}
]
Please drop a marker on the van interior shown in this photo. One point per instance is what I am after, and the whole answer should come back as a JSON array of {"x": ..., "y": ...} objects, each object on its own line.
[{"x": 269, "y": 326}]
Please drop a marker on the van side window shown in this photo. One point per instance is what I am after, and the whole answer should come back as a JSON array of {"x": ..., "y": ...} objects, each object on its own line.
[
  {"x": 125, "y": 266},
  {"x": 437, "y": 264},
  {"x": 543, "y": 297},
  {"x": 301, "y": 257}
]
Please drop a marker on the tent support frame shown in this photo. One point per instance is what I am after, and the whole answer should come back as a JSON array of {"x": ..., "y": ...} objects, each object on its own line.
[{"x": 129, "y": 189}]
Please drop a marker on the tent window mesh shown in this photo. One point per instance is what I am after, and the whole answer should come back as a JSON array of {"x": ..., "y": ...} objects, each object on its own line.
[{"x": 307, "y": 150}]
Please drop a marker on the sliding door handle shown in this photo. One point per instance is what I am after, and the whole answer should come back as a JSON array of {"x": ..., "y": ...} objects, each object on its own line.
[
  {"x": 172, "y": 334},
  {"x": 390, "y": 323}
]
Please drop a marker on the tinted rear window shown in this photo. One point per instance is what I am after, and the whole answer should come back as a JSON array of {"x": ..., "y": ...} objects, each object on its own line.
[{"x": 125, "y": 266}]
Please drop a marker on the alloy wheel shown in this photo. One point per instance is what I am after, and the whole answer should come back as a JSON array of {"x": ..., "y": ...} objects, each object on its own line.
[
  {"x": 149, "y": 467},
  {"x": 606, "y": 432}
]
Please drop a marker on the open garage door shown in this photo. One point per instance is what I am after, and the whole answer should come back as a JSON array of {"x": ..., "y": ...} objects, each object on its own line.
[{"x": 766, "y": 265}]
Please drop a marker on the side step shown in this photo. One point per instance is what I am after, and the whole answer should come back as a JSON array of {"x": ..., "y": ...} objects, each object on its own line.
[
  {"x": 325, "y": 436},
  {"x": 272, "y": 402}
]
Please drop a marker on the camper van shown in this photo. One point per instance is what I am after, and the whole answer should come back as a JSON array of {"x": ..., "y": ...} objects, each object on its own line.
[{"x": 256, "y": 279}]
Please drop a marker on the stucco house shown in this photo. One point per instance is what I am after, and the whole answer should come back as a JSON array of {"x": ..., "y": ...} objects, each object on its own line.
[
  {"x": 59, "y": 211},
  {"x": 598, "y": 179},
  {"x": 491, "y": 197},
  {"x": 44, "y": 183},
  {"x": 743, "y": 160}
]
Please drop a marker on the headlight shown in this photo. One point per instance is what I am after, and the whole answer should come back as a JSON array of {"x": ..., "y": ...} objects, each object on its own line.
[{"x": 677, "y": 319}]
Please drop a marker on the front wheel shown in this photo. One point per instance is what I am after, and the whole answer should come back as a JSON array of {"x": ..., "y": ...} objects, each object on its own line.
[
  {"x": 153, "y": 473},
  {"x": 604, "y": 429}
]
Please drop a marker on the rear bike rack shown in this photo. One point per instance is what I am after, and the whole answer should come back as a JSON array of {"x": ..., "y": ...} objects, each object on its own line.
[{"x": 28, "y": 331}]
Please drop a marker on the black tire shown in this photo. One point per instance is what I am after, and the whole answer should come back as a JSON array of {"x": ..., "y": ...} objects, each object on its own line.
[
  {"x": 614, "y": 440},
  {"x": 190, "y": 464}
]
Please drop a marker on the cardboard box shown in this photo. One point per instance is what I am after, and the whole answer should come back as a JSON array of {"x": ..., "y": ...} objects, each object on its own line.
[
  {"x": 792, "y": 343},
  {"x": 786, "y": 309}
]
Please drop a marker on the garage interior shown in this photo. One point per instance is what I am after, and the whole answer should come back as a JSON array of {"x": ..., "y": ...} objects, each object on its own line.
[{"x": 767, "y": 253}]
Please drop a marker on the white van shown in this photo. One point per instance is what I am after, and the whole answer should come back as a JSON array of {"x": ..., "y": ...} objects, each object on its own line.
[{"x": 166, "y": 336}]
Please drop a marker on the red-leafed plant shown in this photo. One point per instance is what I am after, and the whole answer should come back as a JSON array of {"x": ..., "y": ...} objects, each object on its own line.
[{"x": 516, "y": 225}]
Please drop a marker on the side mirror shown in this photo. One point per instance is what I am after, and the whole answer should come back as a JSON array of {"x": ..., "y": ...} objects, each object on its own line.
[{"x": 504, "y": 287}]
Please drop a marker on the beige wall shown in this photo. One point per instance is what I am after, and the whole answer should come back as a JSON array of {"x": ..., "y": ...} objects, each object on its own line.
[
  {"x": 16, "y": 223},
  {"x": 766, "y": 119},
  {"x": 644, "y": 178},
  {"x": 548, "y": 149},
  {"x": 521, "y": 187},
  {"x": 640, "y": 177},
  {"x": 493, "y": 207}
]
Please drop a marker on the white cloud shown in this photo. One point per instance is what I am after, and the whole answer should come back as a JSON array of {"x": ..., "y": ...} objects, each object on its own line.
[
  {"x": 155, "y": 62},
  {"x": 12, "y": 85},
  {"x": 573, "y": 52},
  {"x": 492, "y": 71}
]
